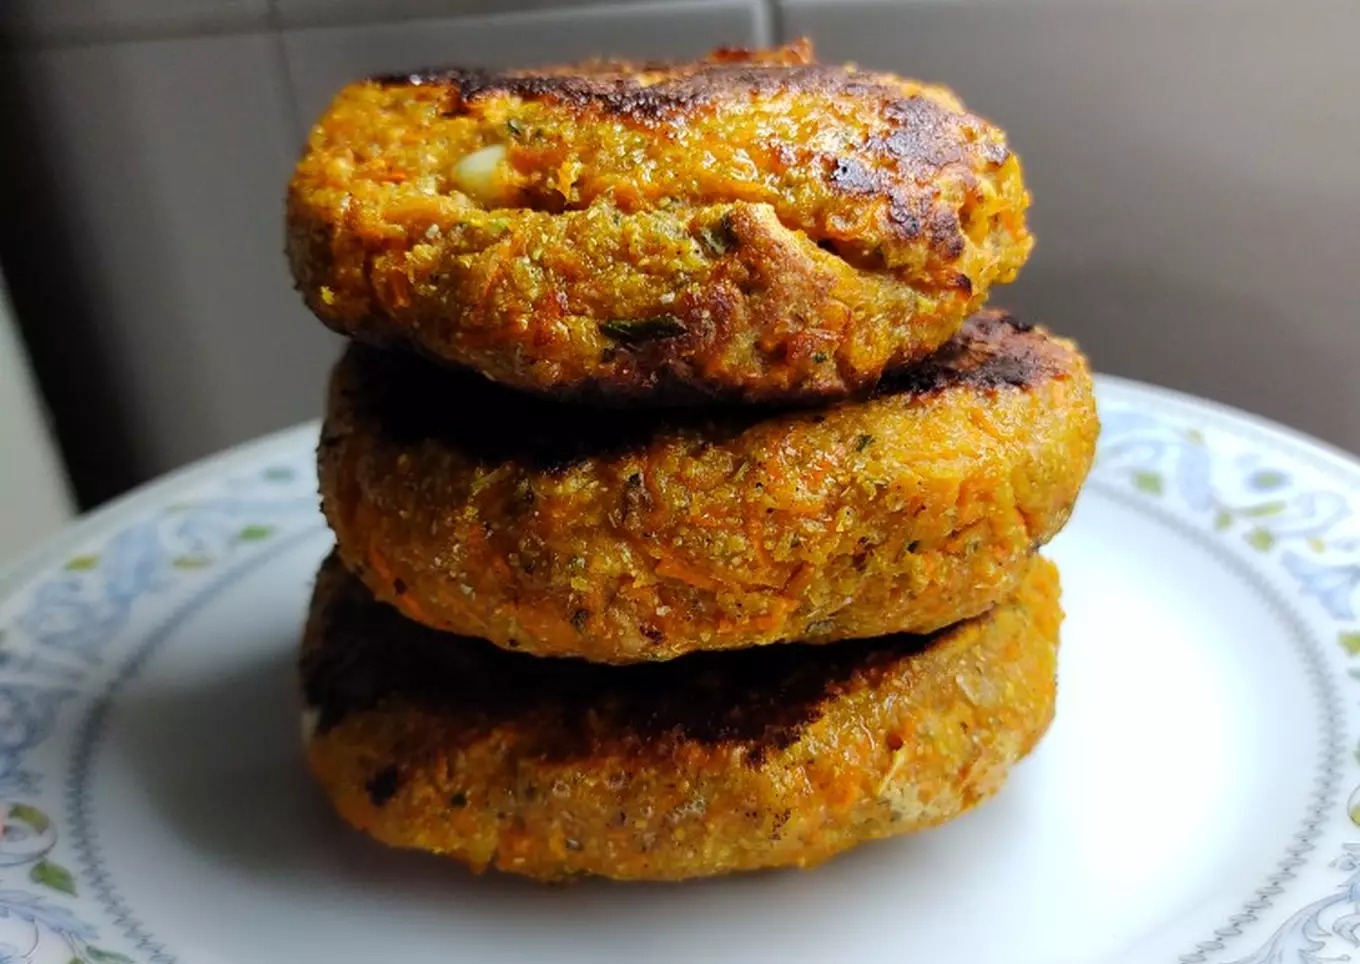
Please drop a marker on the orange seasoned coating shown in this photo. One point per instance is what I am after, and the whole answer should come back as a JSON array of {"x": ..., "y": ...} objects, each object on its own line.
[
  {"x": 623, "y": 537},
  {"x": 710, "y": 764},
  {"x": 754, "y": 227}
]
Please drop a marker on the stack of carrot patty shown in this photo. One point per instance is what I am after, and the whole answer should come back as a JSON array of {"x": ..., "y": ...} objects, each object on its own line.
[{"x": 686, "y": 500}]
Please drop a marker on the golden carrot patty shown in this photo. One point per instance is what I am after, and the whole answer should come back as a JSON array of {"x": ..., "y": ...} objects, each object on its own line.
[
  {"x": 755, "y": 226},
  {"x": 620, "y": 536},
  {"x": 714, "y": 763}
]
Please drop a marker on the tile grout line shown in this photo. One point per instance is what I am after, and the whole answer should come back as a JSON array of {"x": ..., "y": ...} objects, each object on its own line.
[
  {"x": 284, "y": 74},
  {"x": 773, "y": 22},
  {"x": 273, "y": 21}
]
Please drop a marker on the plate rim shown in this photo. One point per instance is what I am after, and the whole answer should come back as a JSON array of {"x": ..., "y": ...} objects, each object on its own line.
[
  {"x": 87, "y": 526},
  {"x": 1329, "y": 460}
]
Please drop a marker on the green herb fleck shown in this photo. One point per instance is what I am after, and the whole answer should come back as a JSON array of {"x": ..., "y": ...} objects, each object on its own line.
[
  {"x": 1262, "y": 540},
  {"x": 278, "y": 473},
  {"x": 1223, "y": 520},
  {"x": 52, "y": 875},
  {"x": 819, "y": 357},
  {"x": 1149, "y": 482},
  {"x": 191, "y": 562},
  {"x": 1317, "y": 545},
  {"x": 718, "y": 238},
  {"x": 1274, "y": 507},
  {"x": 1350, "y": 642},
  {"x": 640, "y": 331},
  {"x": 515, "y": 128},
  {"x": 31, "y": 815},
  {"x": 82, "y": 564},
  {"x": 863, "y": 442},
  {"x": 255, "y": 533},
  {"x": 524, "y": 494}
]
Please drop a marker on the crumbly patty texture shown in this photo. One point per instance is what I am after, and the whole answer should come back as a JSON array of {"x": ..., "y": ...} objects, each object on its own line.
[
  {"x": 755, "y": 226},
  {"x": 710, "y": 764},
  {"x": 621, "y": 537}
]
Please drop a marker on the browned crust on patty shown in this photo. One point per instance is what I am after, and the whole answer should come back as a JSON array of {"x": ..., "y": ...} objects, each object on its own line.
[
  {"x": 923, "y": 136},
  {"x": 620, "y": 537},
  {"x": 416, "y": 404},
  {"x": 708, "y": 764},
  {"x": 784, "y": 230}
]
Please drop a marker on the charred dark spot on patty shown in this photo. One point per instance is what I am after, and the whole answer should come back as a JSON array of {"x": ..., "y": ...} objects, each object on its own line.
[
  {"x": 853, "y": 176},
  {"x": 922, "y": 138},
  {"x": 920, "y": 133},
  {"x": 409, "y": 400},
  {"x": 648, "y": 93},
  {"x": 382, "y": 786},
  {"x": 361, "y": 654},
  {"x": 406, "y": 400},
  {"x": 996, "y": 350}
]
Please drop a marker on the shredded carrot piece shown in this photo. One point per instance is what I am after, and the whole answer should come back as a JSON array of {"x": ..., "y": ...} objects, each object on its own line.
[
  {"x": 673, "y": 567},
  {"x": 754, "y": 533}
]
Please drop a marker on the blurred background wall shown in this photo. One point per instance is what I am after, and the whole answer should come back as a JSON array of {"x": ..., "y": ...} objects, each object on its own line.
[
  {"x": 1195, "y": 166},
  {"x": 34, "y": 497}
]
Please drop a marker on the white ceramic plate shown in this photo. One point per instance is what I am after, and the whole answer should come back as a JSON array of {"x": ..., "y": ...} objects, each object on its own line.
[{"x": 1192, "y": 802}]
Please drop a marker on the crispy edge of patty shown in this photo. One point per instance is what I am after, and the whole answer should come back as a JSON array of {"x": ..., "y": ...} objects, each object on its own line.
[
  {"x": 620, "y": 537},
  {"x": 710, "y": 764},
  {"x": 747, "y": 227}
]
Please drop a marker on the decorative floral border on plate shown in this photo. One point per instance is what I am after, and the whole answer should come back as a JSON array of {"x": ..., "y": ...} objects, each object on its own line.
[
  {"x": 1289, "y": 508},
  {"x": 1283, "y": 508},
  {"x": 61, "y": 662}
]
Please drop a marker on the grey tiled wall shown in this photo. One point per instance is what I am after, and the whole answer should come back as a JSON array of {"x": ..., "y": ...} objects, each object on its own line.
[
  {"x": 1197, "y": 201},
  {"x": 95, "y": 20},
  {"x": 143, "y": 230},
  {"x": 1193, "y": 165},
  {"x": 65, "y": 21}
]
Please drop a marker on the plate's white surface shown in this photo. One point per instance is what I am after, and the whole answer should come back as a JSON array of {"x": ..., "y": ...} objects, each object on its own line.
[{"x": 1190, "y": 804}]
